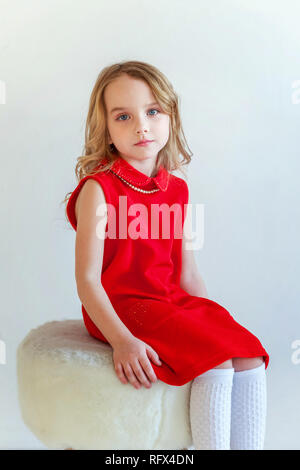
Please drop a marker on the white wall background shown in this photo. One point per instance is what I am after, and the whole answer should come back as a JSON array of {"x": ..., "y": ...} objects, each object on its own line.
[{"x": 234, "y": 64}]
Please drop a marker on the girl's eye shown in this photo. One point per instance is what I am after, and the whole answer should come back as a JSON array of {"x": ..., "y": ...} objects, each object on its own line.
[{"x": 118, "y": 118}]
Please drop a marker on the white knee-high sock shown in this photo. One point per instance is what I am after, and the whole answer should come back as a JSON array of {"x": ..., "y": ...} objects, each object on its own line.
[
  {"x": 210, "y": 409},
  {"x": 248, "y": 409}
]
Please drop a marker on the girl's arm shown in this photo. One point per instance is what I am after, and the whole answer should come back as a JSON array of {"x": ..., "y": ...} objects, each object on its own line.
[
  {"x": 190, "y": 280},
  {"x": 89, "y": 248},
  {"x": 131, "y": 355}
]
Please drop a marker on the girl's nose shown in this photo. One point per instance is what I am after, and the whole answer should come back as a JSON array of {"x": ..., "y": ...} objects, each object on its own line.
[
  {"x": 141, "y": 126},
  {"x": 144, "y": 132}
]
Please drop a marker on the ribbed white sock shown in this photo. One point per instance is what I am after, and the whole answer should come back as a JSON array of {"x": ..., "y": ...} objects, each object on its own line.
[
  {"x": 248, "y": 409},
  {"x": 210, "y": 409}
]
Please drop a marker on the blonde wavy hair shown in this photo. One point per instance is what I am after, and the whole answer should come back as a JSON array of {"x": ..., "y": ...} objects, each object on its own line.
[{"x": 97, "y": 145}]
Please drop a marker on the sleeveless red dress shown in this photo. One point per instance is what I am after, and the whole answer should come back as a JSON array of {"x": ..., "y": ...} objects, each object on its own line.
[{"x": 141, "y": 276}]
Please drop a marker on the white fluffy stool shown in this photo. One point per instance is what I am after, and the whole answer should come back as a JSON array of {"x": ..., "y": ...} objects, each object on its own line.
[{"x": 71, "y": 397}]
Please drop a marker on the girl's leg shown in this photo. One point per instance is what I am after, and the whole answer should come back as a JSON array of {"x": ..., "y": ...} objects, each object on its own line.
[
  {"x": 210, "y": 408},
  {"x": 248, "y": 405}
]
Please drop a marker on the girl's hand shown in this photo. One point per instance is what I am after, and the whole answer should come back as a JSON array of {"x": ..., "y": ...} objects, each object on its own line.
[{"x": 132, "y": 357}]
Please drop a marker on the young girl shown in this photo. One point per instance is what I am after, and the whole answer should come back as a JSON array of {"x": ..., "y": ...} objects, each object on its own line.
[{"x": 137, "y": 281}]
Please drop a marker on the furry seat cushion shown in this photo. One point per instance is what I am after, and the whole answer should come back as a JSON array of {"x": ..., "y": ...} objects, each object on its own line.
[{"x": 71, "y": 397}]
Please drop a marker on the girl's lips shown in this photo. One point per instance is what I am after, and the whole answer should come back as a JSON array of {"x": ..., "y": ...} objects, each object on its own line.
[{"x": 144, "y": 143}]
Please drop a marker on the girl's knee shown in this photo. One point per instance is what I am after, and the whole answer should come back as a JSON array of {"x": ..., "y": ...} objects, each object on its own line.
[
  {"x": 225, "y": 365},
  {"x": 244, "y": 363}
]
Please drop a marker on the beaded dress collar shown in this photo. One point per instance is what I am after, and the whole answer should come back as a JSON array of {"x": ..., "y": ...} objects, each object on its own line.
[{"x": 123, "y": 169}]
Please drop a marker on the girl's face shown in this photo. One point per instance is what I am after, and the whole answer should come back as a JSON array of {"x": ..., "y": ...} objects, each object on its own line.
[{"x": 138, "y": 119}]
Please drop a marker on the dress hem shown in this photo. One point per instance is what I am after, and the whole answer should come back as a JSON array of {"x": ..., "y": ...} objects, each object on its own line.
[
  {"x": 212, "y": 363},
  {"x": 200, "y": 369}
]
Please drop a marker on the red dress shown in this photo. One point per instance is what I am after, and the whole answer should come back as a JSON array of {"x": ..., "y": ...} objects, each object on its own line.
[{"x": 141, "y": 276}]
